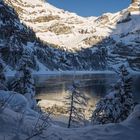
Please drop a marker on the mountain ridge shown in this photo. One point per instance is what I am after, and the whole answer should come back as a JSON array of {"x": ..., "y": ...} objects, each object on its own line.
[
  {"x": 65, "y": 29},
  {"x": 105, "y": 44}
]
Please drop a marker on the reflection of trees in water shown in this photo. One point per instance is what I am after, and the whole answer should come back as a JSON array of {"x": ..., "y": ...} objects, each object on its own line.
[
  {"x": 96, "y": 87},
  {"x": 99, "y": 90},
  {"x": 136, "y": 88},
  {"x": 51, "y": 91},
  {"x": 137, "y": 83}
]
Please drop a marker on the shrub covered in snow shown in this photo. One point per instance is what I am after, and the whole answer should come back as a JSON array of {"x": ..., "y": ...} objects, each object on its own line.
[{"x": 117, "y": 105}]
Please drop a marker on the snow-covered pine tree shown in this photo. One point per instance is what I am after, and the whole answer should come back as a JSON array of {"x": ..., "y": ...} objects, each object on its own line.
[
  {"x": 76, "y": 103},
  {"x": 15, "y": 47},
  {"x": 2, "y": 76},
  {"x": 23, "y": 82},
  {"x": 126, "y": 92},
  {"x": 118, "y": 104}
]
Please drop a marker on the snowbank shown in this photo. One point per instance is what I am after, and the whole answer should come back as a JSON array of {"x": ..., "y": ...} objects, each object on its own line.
[
  {"x": 17, "y": 125},
  {"x": 127, "y": 130}
]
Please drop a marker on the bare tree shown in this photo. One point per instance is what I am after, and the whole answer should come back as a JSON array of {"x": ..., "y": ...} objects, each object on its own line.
[
  {"x": 42, "y": 123},
  {"x": 76, "y": 103}
]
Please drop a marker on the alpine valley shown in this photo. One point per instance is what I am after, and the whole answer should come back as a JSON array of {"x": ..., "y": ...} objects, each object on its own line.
[
  {"x": 57, "y": 79},
  {"x": 55, "y": 39}
]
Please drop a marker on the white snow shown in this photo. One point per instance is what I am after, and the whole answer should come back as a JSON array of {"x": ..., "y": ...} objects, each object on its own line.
[
  {"x": 81, "y": 28},
  {"x": 17, "y": 120},
  {"x": 127, "y": 130},
  {"x": 17, "y": 125}
]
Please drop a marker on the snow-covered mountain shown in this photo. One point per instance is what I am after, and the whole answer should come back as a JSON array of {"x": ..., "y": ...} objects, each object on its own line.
[
  {"x": 69, "y": 30},
  {"x": 54, "y": 25},
  {"x": 81, "y": 43},
  {"x": 16, "y": 39}
]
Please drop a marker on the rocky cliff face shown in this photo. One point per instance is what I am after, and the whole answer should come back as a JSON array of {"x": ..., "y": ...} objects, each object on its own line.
[
  {"x": 133, "y": 1},
  {"x": 64, "y": 29},
  {"x": 75, "y": 42},
  {"x": 16, "y": 39},
  {"x": 135, "y": 6}
]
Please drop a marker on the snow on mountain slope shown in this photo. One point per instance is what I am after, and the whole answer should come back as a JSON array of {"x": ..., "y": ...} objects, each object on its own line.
[
  {"x": 66, "y": 29},
  {"x": 53, "y": 25},
  {"x": 69, "y": 30},
  {"x": 92, "y": 43},
  {"x": 16, "y": 39}
]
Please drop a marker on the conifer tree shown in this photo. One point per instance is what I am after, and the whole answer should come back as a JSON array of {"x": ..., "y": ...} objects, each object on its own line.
[
  {"x": 76, "y": 103},
  {"x": 24, "y": 82},
  {"x": 2, "y": 76},
  {"x": 118, "y": 104},
  {"x": 15, "y": 50},
  {"x": 126, "y": 92}
]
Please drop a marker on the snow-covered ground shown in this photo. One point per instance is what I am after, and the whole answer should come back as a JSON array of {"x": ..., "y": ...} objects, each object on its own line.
[
  {"x": 18, "y": 122},
  {"x": 127, "y": 130}
]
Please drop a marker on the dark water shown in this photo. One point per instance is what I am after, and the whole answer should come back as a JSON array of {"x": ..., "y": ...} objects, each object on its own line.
[{"x": 54, "y": 87}]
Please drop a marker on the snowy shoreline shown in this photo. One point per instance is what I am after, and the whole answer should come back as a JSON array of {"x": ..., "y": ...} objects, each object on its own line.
[{"x": 36, "y": 73}]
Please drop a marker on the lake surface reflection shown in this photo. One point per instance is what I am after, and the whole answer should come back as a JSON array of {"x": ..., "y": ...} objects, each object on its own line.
[{"x": 96, "y": 85}]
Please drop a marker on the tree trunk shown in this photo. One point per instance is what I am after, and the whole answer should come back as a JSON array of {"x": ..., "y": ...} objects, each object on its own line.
[{"x": 71, "y": 109}]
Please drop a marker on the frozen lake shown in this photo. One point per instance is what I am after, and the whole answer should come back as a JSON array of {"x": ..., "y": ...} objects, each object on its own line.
[
  {"x": 95, "y": 85},
  {"x": 51, "y": 90}
]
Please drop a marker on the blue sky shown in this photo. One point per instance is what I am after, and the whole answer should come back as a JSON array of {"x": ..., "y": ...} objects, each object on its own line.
[{"x": 90, "y": 7}]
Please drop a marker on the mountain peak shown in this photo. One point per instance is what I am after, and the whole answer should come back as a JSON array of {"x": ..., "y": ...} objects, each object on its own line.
[
  {"x": 134, "y": 1},
  {"x": 134, "y": 7},
  {"x": 75, "y": 42},
  {"x": 64, "y": 29}
]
